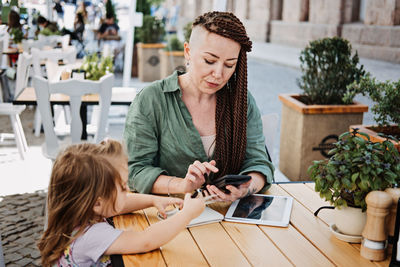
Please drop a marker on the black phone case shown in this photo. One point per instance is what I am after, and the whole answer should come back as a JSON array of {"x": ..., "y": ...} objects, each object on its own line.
[{"x": 230, "y": 179}]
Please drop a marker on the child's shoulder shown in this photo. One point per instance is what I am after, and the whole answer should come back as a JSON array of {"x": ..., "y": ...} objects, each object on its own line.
[{"x": 89, "y": 247}]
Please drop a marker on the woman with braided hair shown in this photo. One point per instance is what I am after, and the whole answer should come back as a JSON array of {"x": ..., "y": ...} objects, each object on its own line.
[{"x": 190, "y": 128}]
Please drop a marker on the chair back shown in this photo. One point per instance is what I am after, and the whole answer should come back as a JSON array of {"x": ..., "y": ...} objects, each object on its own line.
[
  {"x": 68, "y": 55},
  {"x": 75, "y": 89},
  {"x": 5, "y": 38},
  {"x": 50, "y": 40},
  {"x": 23, "y": 68},
  {"x": 65, "y": 41},
  {"x": 270, "y": 123}
]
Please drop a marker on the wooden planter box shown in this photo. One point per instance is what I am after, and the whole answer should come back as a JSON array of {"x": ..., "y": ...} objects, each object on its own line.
[
  {"x": 171, "y": 61},
  {"x": 149, "y": 61},
  {"x": 373, "y": 135},
  {"x": 309, "y": 131}
]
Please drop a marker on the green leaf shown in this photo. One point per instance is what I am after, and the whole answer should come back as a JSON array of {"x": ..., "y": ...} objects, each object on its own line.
[{"x": 355, "y": 176}]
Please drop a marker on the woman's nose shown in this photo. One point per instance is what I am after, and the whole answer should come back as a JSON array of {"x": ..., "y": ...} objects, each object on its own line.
[{"x": 217, "y": 72}]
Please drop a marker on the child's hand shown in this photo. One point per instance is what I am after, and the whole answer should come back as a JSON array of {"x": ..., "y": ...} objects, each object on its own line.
[
  {"x": 162, "y": 202},
  {"x": 193, "y": 206}
]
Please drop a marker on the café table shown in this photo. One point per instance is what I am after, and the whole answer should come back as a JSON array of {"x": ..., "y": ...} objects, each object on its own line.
[
  {"x": 120, "y": 96},
  {"x": 307, "y": 241}
]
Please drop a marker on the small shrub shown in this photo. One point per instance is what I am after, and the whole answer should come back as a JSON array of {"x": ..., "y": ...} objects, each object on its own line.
[
  {"x": 386, "y": 96},
  {"x": 174, "y": 44},
  {"x": 187, "y": 31},
  {"x": 152, "y": 30},
  {"x": 328, "y": 67}
]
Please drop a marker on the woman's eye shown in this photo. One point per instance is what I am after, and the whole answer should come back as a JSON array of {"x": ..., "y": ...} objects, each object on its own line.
[
  {"x": 209, "y": 62},
  {"x": 229, "y": 66}
]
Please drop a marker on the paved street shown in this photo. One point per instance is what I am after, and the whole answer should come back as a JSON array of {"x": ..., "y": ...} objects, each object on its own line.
[{"x": 21, "y": 224}]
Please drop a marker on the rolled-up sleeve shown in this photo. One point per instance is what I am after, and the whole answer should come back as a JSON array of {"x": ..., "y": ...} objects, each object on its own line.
[
  {"x": 140, "y": 136},
  {"x": 256, "y": 159}
]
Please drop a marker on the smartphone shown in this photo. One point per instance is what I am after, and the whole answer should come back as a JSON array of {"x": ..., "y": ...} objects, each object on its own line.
[{"x": 230, "y": 179}]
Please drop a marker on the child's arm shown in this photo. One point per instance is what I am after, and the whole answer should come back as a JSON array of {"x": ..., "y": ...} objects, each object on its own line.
[
  {"x": 136, "y": 201},
  {"x": 157, "y": 234}
]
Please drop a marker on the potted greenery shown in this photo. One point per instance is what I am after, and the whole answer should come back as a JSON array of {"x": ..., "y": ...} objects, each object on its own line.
[
  {"x": 172, "y": 57},
  {"x": 95, "y": 67},
  {"x": 150, "y": 36},
  {"x": 386, "y": 96},
  {"x": 357, "y": 166},
  {"x": 16, "y": 36},
  {"x": 312, "y": 121}
]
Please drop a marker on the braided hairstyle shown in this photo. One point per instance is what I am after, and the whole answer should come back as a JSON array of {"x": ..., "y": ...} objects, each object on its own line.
[{"x": 231, "y": 110}]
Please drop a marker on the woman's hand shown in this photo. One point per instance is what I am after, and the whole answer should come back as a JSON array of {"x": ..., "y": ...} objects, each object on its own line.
[
  {"x": 193, "y": 206},
  {"x": 195, "y": 175},
  {"x": 235, "y": 192},
  {"x": 162, "y": 202}
]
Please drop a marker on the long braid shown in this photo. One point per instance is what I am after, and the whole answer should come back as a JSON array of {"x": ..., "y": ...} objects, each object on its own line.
[{"x": 231, "y": 110}]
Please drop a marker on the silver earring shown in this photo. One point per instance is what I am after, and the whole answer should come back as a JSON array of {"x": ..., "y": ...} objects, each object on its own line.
[{"x": 187, "y": 64}]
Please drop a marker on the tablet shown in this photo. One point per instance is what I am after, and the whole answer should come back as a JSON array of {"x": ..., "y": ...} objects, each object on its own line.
[{"x": 261, "y": 209}]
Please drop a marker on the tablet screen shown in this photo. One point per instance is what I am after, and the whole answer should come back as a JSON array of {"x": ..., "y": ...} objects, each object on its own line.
[{"x": 261, "y": 209}]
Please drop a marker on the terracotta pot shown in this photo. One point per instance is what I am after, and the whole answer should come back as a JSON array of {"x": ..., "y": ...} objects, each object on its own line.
[
  {"x": 309, "y": 131},
  {"x": 373, "y": 134},
  {"x": 350, "y": 221}
]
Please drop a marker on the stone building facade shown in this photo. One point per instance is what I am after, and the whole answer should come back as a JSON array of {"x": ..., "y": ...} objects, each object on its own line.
[{"x": 372, "y": 26}]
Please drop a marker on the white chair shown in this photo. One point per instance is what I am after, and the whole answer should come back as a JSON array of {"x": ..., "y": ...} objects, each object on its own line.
[
  {"x": 24, "y": 61},
  {"x": 75, "y": 89},
  {"x": 68, "y": 55},
  {"x": 23, "y": 70},
  {"x": 270, "y": 129},
  {"x": 13, "y": 111},
  {"x": 65, "y": 41}
]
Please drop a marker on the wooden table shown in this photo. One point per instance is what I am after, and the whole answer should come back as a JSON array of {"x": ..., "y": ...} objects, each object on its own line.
[
  {"x": 120, "y": 96},
  {"x": 306, "y": 242}
]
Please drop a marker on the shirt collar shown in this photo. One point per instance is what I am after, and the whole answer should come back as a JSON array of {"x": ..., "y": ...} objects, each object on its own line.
[{"x": 171, "y": 82}]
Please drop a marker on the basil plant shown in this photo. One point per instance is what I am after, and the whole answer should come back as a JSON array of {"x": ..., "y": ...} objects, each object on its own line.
[{"x": 356, "y": 167}]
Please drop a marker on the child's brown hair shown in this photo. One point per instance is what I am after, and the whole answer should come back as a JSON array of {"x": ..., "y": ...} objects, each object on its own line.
[{"x": 81, "y": 175}]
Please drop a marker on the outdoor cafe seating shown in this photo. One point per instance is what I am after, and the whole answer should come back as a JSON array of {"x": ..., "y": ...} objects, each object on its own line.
[{"x": 75, "y": 89}]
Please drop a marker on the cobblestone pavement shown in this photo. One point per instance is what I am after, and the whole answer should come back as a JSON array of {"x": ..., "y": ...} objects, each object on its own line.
[{"x": 21, "y": 225}]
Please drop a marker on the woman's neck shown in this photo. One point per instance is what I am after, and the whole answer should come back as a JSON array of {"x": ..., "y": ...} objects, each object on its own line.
[{"x": 189, "y": 90}]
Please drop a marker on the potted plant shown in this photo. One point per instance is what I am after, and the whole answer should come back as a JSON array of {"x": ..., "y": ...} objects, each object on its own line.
[
  {"x": 172, "y": 57},
  {"x": 312, "y": 121},
  {"x": 16, "y": 36},
  {"x": 95, "y": 67},
  {"x": 386, "y": 96},
  {"x": 356, "y": 167},
  {"x": 150, "y": 35}
]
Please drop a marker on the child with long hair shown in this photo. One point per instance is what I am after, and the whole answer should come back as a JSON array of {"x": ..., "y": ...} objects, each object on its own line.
[{"x": 88, "y": 184}]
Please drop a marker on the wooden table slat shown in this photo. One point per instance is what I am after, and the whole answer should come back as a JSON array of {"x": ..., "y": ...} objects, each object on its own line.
[
  {"x": 297, "y": 248},
  {"x": 217, "y": 246},
  {"x": 182, "y": 245},
  {"x": 254, "y": 244},
  {"x": 311, "y": 200},
  {"x": 317, "y": 232},
  {"x": 138, "y": 222}
]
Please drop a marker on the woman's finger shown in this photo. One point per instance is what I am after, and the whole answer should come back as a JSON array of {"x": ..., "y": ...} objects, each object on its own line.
[
  {"x": 194, "y": 170},
  {"x": 210, "y": 167},
  {"x": 214, "y": 190},
  {"x": 200, "y": 166}
]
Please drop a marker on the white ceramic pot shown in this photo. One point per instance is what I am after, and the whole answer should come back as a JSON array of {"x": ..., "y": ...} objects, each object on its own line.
[{"x": 350, "y": 221}]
